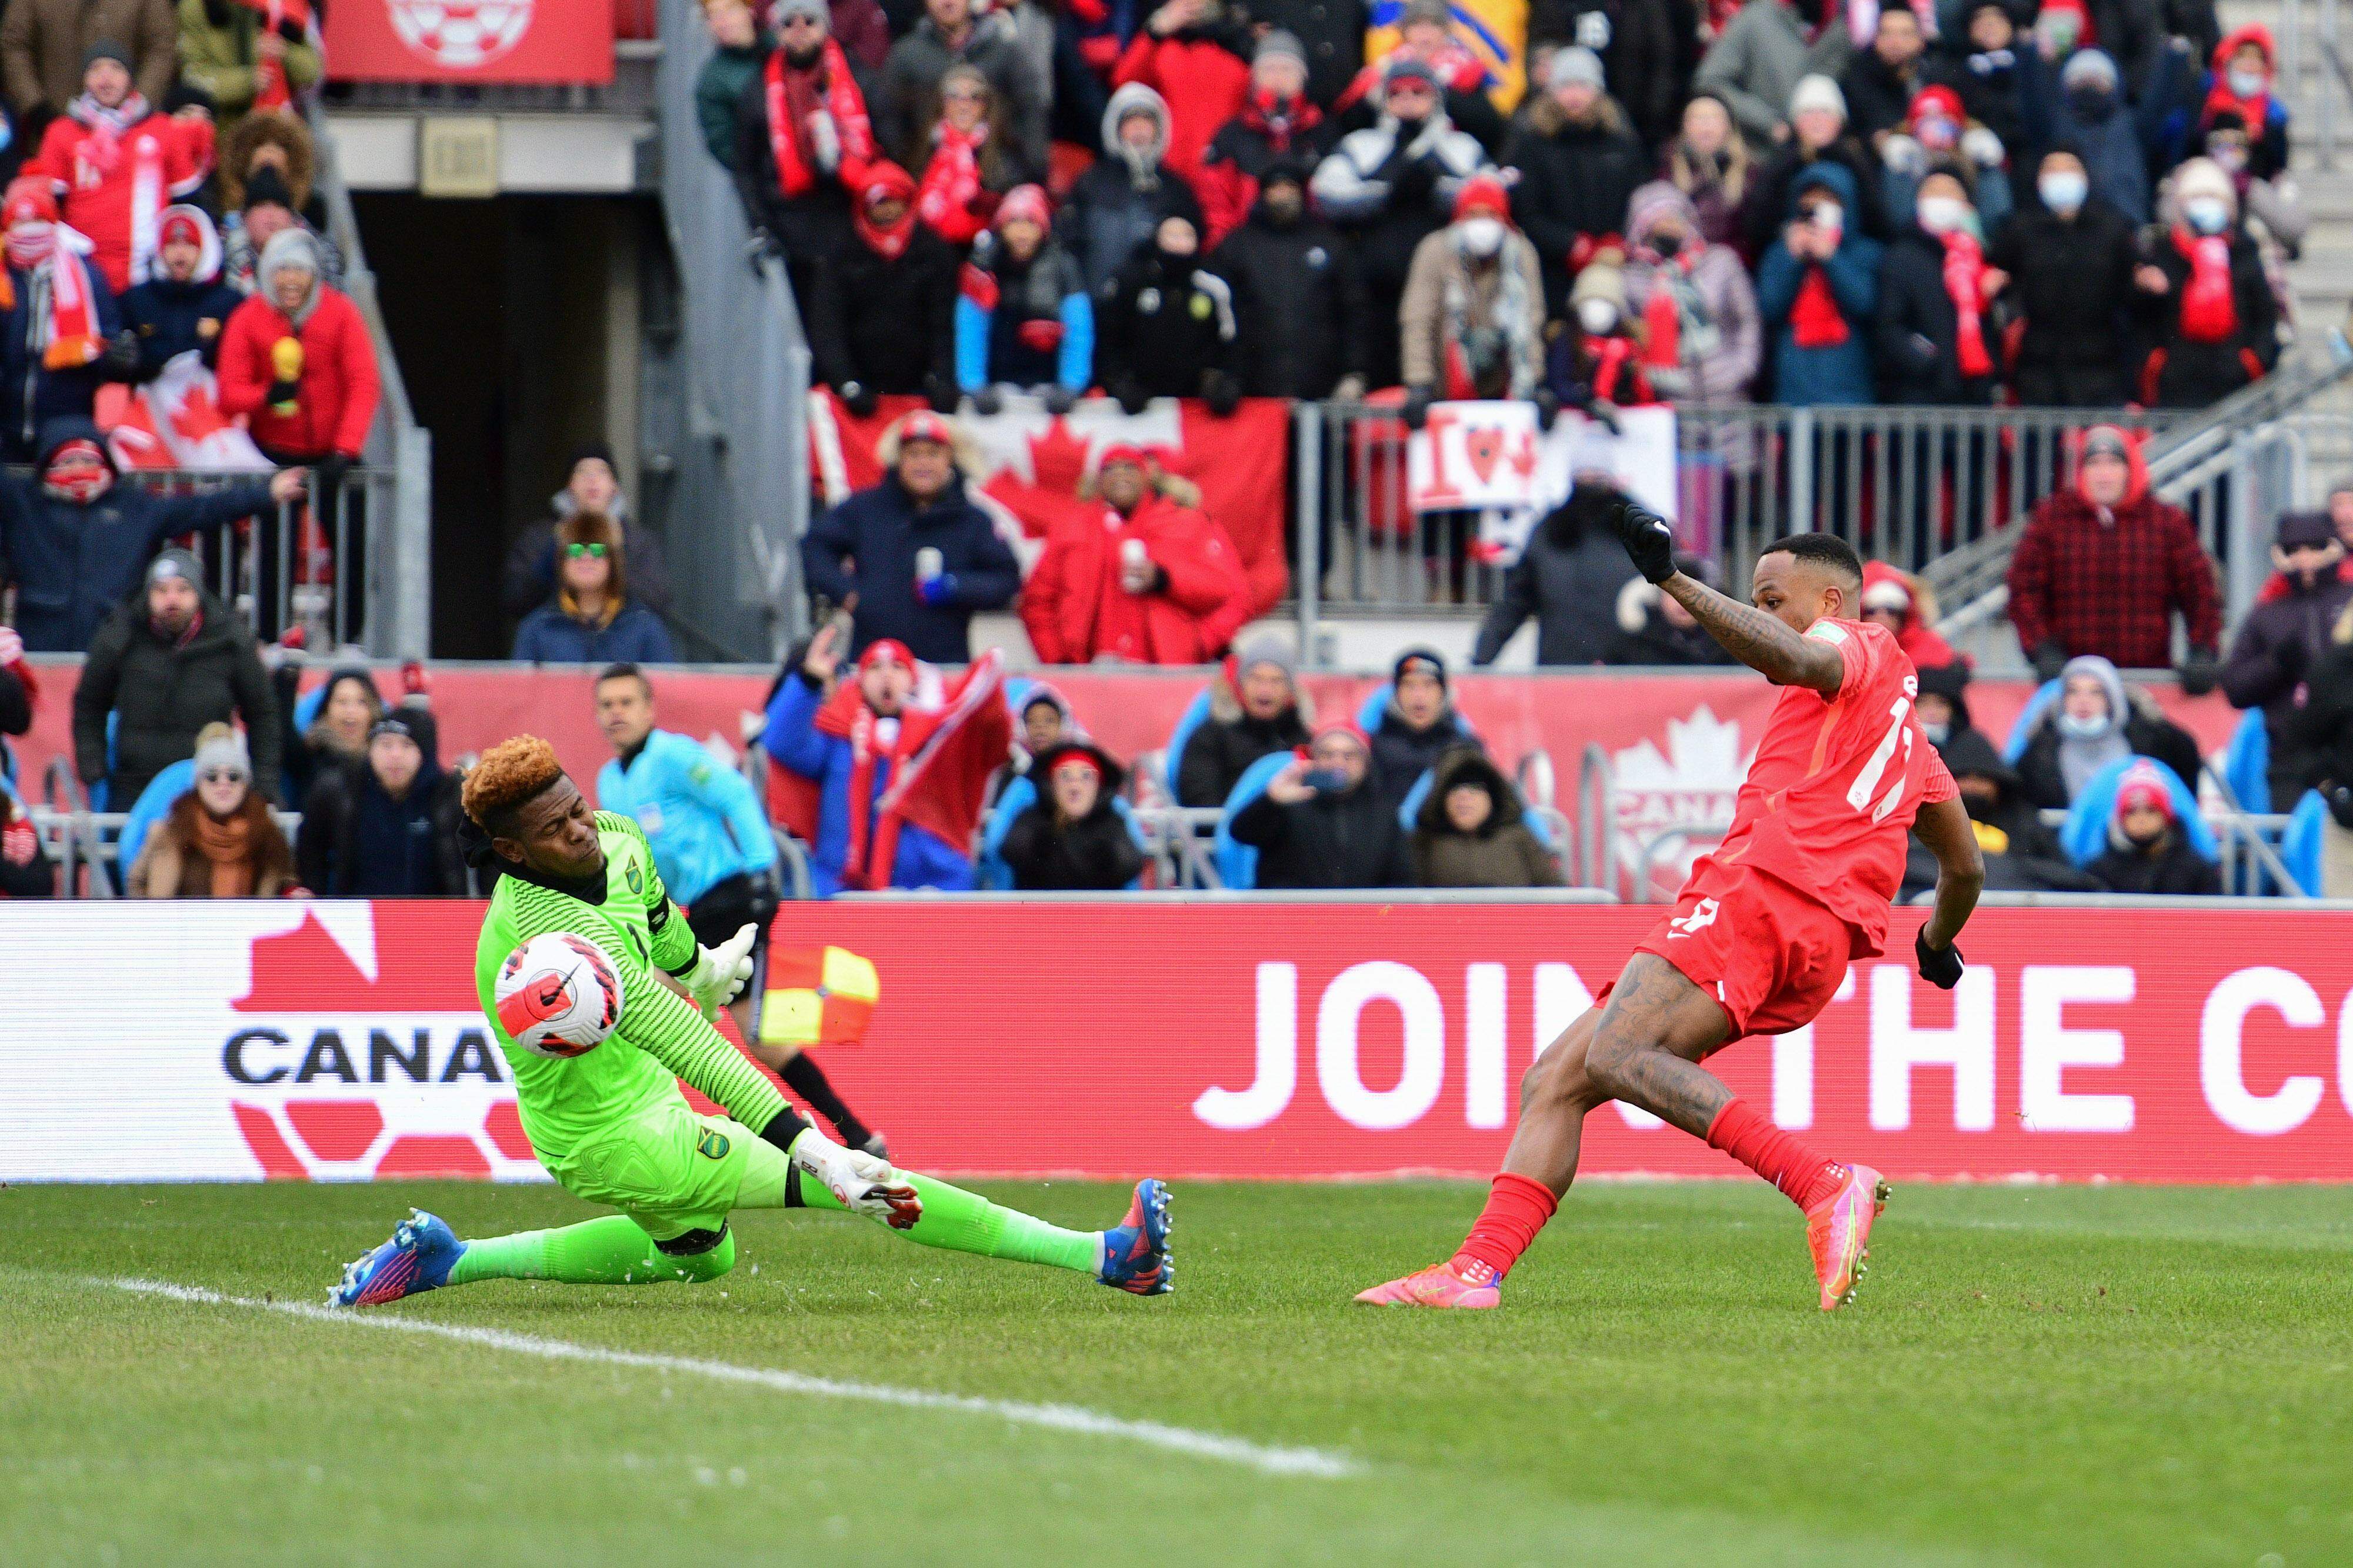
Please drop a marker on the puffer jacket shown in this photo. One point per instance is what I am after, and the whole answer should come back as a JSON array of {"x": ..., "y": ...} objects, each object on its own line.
[
  {"x": 1719, "y": 336},
  {"x": 1504, "y": 853},
  {"x": 1350, "y": 840},
  {"x": 1076, "y": 612}
]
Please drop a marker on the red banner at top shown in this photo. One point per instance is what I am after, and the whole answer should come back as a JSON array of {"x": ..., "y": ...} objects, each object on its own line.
[{"x": 565, "y": 41}]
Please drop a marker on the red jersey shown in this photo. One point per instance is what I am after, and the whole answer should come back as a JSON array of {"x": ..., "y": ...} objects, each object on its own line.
[
  {"x": 1837, "y": 781},
  {"x": 114, "y": 185}
]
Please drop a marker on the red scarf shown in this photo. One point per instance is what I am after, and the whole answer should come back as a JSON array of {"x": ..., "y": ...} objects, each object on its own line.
[
  {"x": 1662, "y": 316},
  {"x": 271, "y": 88},
  {"x": 71, "y": 331},
  {"x": 1617, "y": 378},
  {"x": 2209, "y": 306},
  {"x": 793, "y": 95},
  {"x": 890, "y": 243},
  {"x": 1281, "y": 124},
  {"x": 1815, "y": 320},
  {"x": 951, "y": 201},
  {"x": 1965, "y": 285}
]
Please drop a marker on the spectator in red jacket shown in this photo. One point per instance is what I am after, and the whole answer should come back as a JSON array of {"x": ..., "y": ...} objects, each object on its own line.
[
  {"x": 117, "y": 166},
  {"x": 1901, "y": 603},
  {"x": 1190, "y": 52},
  {"x": 1151, "y": 580},
  {"x": 1278, "y": 122},
  {"x": 2104, "y": 566}
]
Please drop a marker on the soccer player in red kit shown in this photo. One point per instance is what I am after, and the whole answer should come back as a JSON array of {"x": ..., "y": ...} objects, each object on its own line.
[{"x": 1763, "y": 931}]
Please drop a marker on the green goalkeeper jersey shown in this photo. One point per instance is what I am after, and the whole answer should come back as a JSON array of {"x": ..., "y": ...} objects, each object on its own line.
[{"x": 660, "y": 1039}]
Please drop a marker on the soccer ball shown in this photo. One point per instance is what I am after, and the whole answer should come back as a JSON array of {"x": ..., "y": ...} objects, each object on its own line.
[{"x": 559, "y": 995}]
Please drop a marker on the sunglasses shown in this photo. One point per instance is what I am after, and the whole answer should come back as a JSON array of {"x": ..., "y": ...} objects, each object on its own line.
[
  {"x": 594, "y": 551},
  {"x": 800, "y": 20},
  {"x": 220, "y": 775}
]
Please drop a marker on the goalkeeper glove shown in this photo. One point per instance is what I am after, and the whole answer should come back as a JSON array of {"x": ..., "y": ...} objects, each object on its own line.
[
  {"x": 719, "y": 973},
  {"x": 859, "y": 1182}
]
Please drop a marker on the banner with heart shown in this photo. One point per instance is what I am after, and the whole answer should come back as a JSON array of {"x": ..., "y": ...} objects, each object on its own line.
[{"x": 1473, "y": 456}]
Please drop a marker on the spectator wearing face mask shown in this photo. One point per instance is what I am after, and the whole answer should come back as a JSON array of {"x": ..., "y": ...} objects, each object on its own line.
[
  {"x": 2211, "y": 320},
  {"x": 2281, "y": 643},
  {"x": 2066, "y": 264},
  {"x": 1148, "y": 579},
  {"x": 2272, "y": 209},
  {"x": 1118, "y": 203},
  {"x": 220, "y": 840},
  {"x": 2095, "y": 721},
  {"x": 2147, "y": 852},
  {"x": 1937, "y": 135},
  {"x": 1472, "y": 319},
  {"x": 1817, "y": 135},
  {"x": 1709, "y": 162},
  {"x": 1654, "y": 629},
  {"x": 1757, "y": 61},
  {"x": 183, "y": 305},
  {"x": 1023, "y": 317},
  {"x": 1277, "y": 123},
  {"x": 1256, "y": 707},
  {"x": 2104, "y": 566},
  {"x": 1596, "y": 362},
  {"x": 1164, "y": 326},
  {"x": 1701, "y": 336},
  {"x": 2241, "y": 83},
  {"x": 1817, "y": 287},
  {"x": 1579, "y": 162},
  {"x": 1320, "y": 823},
  {"x": 1298, "y": 294},
  {"x": 73, "y": 542},
  {"x": 2093, "y": 121},
  {"x": 58, "y": 323},
  {"x": 1417, "y": 725},
  {"x": 1880, "y": 83},
  {"x": 1472, "y": 831},
  {"x": 388, "y": 829},
  {"x": 1390, "y": 186},
  {"x": 884, "y": 314},
  {"x": 1943, "y": 706},
  {"x": 1568, "y": 580},
  {"x": 1073, "y": 838},
  {"x": 1935, "y": 334}
]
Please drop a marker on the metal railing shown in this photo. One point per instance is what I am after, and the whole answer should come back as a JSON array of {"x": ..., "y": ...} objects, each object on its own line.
[
  {"x": 398, "y": 607},
  {"x": 85, "y": 846},
  {"x": 730, "y": 375}
]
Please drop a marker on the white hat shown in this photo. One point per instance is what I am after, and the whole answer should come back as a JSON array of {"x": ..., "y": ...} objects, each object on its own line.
[{"x": 1817, "y": 93}]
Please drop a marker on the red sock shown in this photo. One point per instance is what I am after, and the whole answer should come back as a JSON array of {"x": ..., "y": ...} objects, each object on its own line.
[
  {"x": 1750, "y": 1136},
  {"x": 1517, "y": 1209}
]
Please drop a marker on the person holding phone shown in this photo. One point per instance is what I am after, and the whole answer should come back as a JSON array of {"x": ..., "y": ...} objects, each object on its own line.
[{"x": 1318, "y": 824}]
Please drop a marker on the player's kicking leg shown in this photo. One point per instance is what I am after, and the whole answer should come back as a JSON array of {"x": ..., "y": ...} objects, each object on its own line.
[{"x": 1644, "y": 1048}]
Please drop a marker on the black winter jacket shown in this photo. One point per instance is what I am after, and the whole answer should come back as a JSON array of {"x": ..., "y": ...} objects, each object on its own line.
[
  {"x": 1165, "y": 327},
  {"x": 2179, "y": 871},
  {"x": 2183, "y": 374},
  {"x": 358, "y": 842},
  {"x": 1351, "y": 840},
  {"x": 1916, "y": 330},
  {"x": 2147, "y": 732},
  {"x": 1575, "y": 181},
  {"x": 1300, "y": 300},
  {"x": 1221, "y": 750},
  {"x": 2071, "y": 280},
  {"x": 888, "y": 324},
  {"x": 879, "y": 531},
  {"x": 1094, "y": 854},
  {"x": 2272, "y": 659},
  {"x": 1569, "y": 579}
]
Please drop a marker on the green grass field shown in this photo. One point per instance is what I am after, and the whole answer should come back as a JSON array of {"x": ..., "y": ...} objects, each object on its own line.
[{"x": 2076, "y": 1375}]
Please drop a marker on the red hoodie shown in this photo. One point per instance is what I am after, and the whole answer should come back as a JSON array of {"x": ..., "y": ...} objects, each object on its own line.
[{"x": 340, "y": 385}]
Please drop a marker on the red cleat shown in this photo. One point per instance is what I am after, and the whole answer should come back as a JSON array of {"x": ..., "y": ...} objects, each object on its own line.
[
  {"x": 1837, "y": 1227},
  {"x": 1440, "y": 1286}
]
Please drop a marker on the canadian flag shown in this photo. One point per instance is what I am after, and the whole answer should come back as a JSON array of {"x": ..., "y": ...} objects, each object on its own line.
[
  {"x": 1031, "y": 464},
  {"x": 176, "y": 422}
]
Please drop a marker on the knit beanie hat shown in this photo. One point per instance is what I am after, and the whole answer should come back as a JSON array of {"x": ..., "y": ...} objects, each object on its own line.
[{"x": 220, "y": 748}]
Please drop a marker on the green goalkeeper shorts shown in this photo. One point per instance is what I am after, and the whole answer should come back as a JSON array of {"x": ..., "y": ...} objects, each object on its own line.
[{"x": 667, "y": 1168}]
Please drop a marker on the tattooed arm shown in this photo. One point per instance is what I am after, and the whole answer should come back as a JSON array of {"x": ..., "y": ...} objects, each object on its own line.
[{"x": 1763, "y": 642}]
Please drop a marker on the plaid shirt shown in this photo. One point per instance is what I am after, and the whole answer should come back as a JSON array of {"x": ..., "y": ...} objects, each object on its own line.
[{"x": 2113, "y": 587}]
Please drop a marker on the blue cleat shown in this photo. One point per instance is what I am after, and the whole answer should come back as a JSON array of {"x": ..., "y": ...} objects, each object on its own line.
[
  {"x": 419, "y": 1258},
  {"x": 1136, "y": 1252}
]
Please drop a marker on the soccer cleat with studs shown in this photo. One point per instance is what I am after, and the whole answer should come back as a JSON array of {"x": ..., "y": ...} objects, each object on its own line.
[
  {"x": 1473, "y": 1287},
  {"x": 419, "y": 1258},
  {"x": 1135, "y": 1256},
  {"x": 1837, "y": 1227}
]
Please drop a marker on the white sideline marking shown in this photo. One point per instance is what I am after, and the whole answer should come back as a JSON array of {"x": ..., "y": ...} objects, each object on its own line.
[{"x": 1264, "y": 1458}]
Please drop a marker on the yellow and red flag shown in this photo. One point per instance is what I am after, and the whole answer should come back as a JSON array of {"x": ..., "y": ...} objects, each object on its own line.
[{"x": 818, "y": 996}]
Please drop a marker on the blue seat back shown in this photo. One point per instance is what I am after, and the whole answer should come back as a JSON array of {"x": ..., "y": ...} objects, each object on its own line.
[
  {"x": 1237, "y": 861},
  {"x": 1172, "y": 762},
  {"x": 2085, "y": 834},
  {"x": 154, "y": 802},
  {"x": 2023, "y": 727},
  {"x": 307, "y": 706},
  {"x": 2300, "y": 844},
  {"x": 2247, "y": 763},
  {"x": 1369, "y": 712},
  {"x": 1411, "y": 809},
  {"x": 992, "y": 874}
]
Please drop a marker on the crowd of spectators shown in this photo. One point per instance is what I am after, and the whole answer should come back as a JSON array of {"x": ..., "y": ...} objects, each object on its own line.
[{"x": 1795, "y": 200}]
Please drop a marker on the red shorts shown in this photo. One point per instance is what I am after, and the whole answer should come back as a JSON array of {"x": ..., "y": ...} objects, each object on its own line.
[{"x": 1770, "y": 956}]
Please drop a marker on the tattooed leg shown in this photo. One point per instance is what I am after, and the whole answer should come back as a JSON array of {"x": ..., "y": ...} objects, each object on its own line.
[{"x": 1647, "y": 1046}]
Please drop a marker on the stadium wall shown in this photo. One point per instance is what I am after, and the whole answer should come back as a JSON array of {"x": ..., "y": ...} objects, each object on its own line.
[{"x": 339, "y": 1041}]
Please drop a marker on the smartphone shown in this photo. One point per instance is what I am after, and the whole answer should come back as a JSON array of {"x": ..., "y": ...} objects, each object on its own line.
[{"x": 1325, "y": 781}]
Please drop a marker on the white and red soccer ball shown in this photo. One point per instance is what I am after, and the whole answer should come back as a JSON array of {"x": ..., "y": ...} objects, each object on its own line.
[
  {"x": 559, "y": 995},
  {"x": 461, "y": 34}
]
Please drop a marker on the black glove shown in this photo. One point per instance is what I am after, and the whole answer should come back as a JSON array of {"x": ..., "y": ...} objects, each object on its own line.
[
  {"x": 284, "y": 396},
  {"x": 1647, "y": 538},
  {"x": 1059, "y": 400},
  {"x": 122, "y": 357},
  {"x": 1133, "y": 399},
  {"x": 2049, "y": 660},
  {"x": 2201, "y": 671},
  {"x": 1416, "y": 412},
  {"x": 860, "y": 399},
  {"x": 989, "y": 401},
  {"x": 328, "y": 473},
  {"x": 2340, "y": 804},
  {"x": 1939, "y": 966},
  {"x": 1416, "y": 180},
  {"x": 758, "y": 249},
  {"x": 941, "y": 394},
  {"x": 1222, "y": 393},
  {"x": 764, "y": 898},
  {"x": 1547, "y": 404}
]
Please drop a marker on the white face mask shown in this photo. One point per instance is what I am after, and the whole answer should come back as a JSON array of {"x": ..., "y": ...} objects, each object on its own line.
[
  {"x": 1937, "y": 734},
  {"x": 1482, "y": 236},
  {"x": 2246, "y": 83},
  {"x": 2063, "y": 191},
  {"x": 2077, "y": 728},
  {"x": 2206, "y": 215},
  {"x": 1597, "y": 316},
  {"x": 1829, "y": 216},
  {"x": 1943, "y": 214}
]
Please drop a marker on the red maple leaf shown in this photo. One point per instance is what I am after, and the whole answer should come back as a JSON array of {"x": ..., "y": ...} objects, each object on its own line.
[
  {"x": 307, "y": 970},
  {"x": 1058, "y": 459}
]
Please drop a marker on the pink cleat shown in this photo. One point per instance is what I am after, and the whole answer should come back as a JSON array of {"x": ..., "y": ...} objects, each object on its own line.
[
  {"x": 1837, "y": 1227},
  {"x": 1440, "y": 1285}
]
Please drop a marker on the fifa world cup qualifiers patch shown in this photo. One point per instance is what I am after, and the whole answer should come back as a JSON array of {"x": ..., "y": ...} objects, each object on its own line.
[{"x": 711, "y": 1145}]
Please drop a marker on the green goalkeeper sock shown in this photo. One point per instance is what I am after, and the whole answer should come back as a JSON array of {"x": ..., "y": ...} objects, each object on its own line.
[
  {"x": 614, "y": 1250},
  {"x": 960, "y": 1221}
]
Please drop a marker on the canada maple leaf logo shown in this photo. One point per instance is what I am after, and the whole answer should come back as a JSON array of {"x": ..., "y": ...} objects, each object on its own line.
[{"x": 1690, "y": 787}]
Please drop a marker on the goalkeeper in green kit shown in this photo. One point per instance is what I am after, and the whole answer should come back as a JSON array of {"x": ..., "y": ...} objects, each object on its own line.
[{"x": 610, "y": 1124}]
